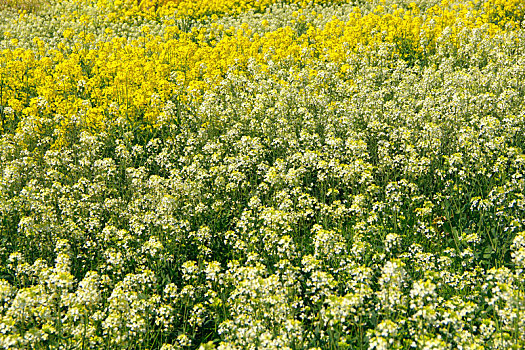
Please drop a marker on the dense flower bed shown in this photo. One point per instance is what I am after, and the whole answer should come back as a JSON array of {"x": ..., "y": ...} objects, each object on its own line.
[{"x": 262, "y": 174}]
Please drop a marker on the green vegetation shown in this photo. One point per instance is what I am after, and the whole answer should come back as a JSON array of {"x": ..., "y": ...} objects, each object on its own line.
[{"x": 265, "y": 177}]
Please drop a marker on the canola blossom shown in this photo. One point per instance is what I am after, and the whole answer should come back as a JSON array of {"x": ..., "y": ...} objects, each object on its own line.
[{"x": 262, "y": 174}]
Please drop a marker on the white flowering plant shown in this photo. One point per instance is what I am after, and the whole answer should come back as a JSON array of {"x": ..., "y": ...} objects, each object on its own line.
[{"x": 324, "y": 174}]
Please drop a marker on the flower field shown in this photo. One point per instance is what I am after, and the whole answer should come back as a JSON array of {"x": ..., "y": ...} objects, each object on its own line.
[{"x": 262, "y": 174}]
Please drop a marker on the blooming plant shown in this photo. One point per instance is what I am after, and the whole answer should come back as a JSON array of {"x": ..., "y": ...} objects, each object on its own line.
[{"x": 262, "y": 174}]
